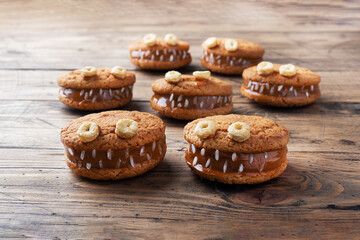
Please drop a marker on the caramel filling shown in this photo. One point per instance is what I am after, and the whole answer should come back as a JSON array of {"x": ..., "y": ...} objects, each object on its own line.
[
  {"x": 97, "y": 94},
  {"x": 115, "y": 159},
  {"x": 168, "y": 55},
  {"x": 229, "y": 162},
  {"x": 229, "y": 61},
  {"x": 191, "y": 102},
  {"x": 281, "y": 90}
]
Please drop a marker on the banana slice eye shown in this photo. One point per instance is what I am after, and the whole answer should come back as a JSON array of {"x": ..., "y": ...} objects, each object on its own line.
[
  {"x": 170, "y": 39},
  {"x": 88, "y": 132},
  {"x": 287, "y": 70},
  {"x": 89, "y": 71},
  {"x": 150, "y": 39},
  {"x": 202, "y": 75},
  {"x": 231, "y": 45},
  {"x": 205, "y": 129},
  {"x": 126, "y": 128},
  {"x": 211, "y": 42},
  {"x": 239, "y": 131},
  {"x": 118, "y": 71},
  {"x": 173, "y": 76},
  {"x": 265, "y": 68}
]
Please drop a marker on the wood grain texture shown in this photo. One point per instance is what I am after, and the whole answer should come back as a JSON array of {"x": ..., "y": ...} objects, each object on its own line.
[{"x": 317, "y": 197}]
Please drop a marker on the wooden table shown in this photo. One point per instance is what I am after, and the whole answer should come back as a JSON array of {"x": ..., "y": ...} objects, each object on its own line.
[{"x": 317, "y": 197}]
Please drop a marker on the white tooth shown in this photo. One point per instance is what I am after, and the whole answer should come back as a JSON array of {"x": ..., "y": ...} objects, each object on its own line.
[
  {"x": 218, "y": 57},
  {"x": 94, "y": 99},
  {"x": 266, "y": 156},
  {"x": 272, "y": 90},
  {"x": 295, "y": 92},
  {"x": 122, "y": 89},
  {"x": 256, "y": 86},
  {"x": 172, "y": 104},
  {"x": 291, "y": 88},
  {"x": 88, "y": 166},
  {"x": 110, "y": 92},
  {"x": 147, "y": 53},
  {"x": 153, "y": 146},
  {"x": 208, "y": 99},
  {"x": 179, "y": 105},
  {"x": 142, "y": 151},
  {"x": 152, "y": 57},
  {"x": 100, "y": 91},
  {"x": 251, "y": 159},
  {"x": 312, "y": 88},
  {"x": 162, "y": 58},
  {"x": 262, "y": 166},
  {"x": 148, "y": 156},
  {"x": 307, "y": 94},
  {"x": 217, "y": 155},
  {"x": 171, "y": 58},
  {"x": 82, "y": 155},
  {"x": 252, "y": 87},
  {"x": 240, "y": 60},
  {"x": 201, "y": 104},
  {"x": 195, "y": 100},
  {"x": 202, "y": 152},
  {"x": 229, "y": 99},
  {"x": 117, "y": 97},
  {"x": 208, "y": 163},
  {"x": 212, "y": 106},
  {"x": 227, "y": 59},
  {"x": 93, "y": 153},
  {"x": 261, "y": 88},
  {"x": 132, "y": 161},
  {"x": 157, "y": 52},
  {"x": 211, "y": 59},
  {"x": 195, "y": 161},
  {"x": 233, "y": 156},
  {"x": 205, "y": 53},
  {"x": 86, "y": 96},
  {"x": 231, "y": 63},
  {"x": 185, "y": 54},
  {"x": 225, "y": 166},
  {"x": 109, "y": 154},
  {"x": 82, "y": 92},
  {"x": 131, "y": 87},
  {"x": 126, "y": 153},
  {"x": 267, "y": 86},
  {"x": 241, "y": 168},
  {"x": 180, "y": 98},
  {"x": 218, "y": 62},
  {"x": 219, "y": 99},
  {"x": 186, "y": 104},
  {"x": 100, "y": 164},
  {"x": 171, "y": 97},
  {"x": 279, "y": 88},
  {"x": 135, "y": 54},
  {"x": 79, "y": 164},
  {"x": 71, "y": 151},
  {"x": 193, "y": 148},
  {"x": 91, "y": 92},
  {"x": 284, "y": 93},
  {"x": 160, "y": 149},
  {"x": 118, "y": 163}
]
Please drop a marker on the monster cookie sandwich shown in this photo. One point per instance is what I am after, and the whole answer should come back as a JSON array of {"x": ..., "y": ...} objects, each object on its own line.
[
  {"x": 190, "y": 97},
  {"x": 96, "y": 89},
  {"x": 236, "y": 149},
  {"x": 160, "y": 53},
  {"x": 230, "y": 56},
  {"x": 114, "y": 144},
  {"x": 280, "y": 85}
]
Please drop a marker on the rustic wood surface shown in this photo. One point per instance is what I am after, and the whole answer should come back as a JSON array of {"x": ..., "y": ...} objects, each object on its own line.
[{"x": 317, "y": 197}]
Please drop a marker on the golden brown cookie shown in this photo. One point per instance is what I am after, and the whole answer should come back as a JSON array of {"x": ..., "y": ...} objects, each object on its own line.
[
  {"x": 257, "y": 156},
  {"x": 103, "y": 90},
  {"x": 191, "y": 98},
  {"x": 160, "y": 53},
  {"x": 99, "y": 146},
  {"x": 300, "y": 87},
  {"x": 230, "y": 56}
]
